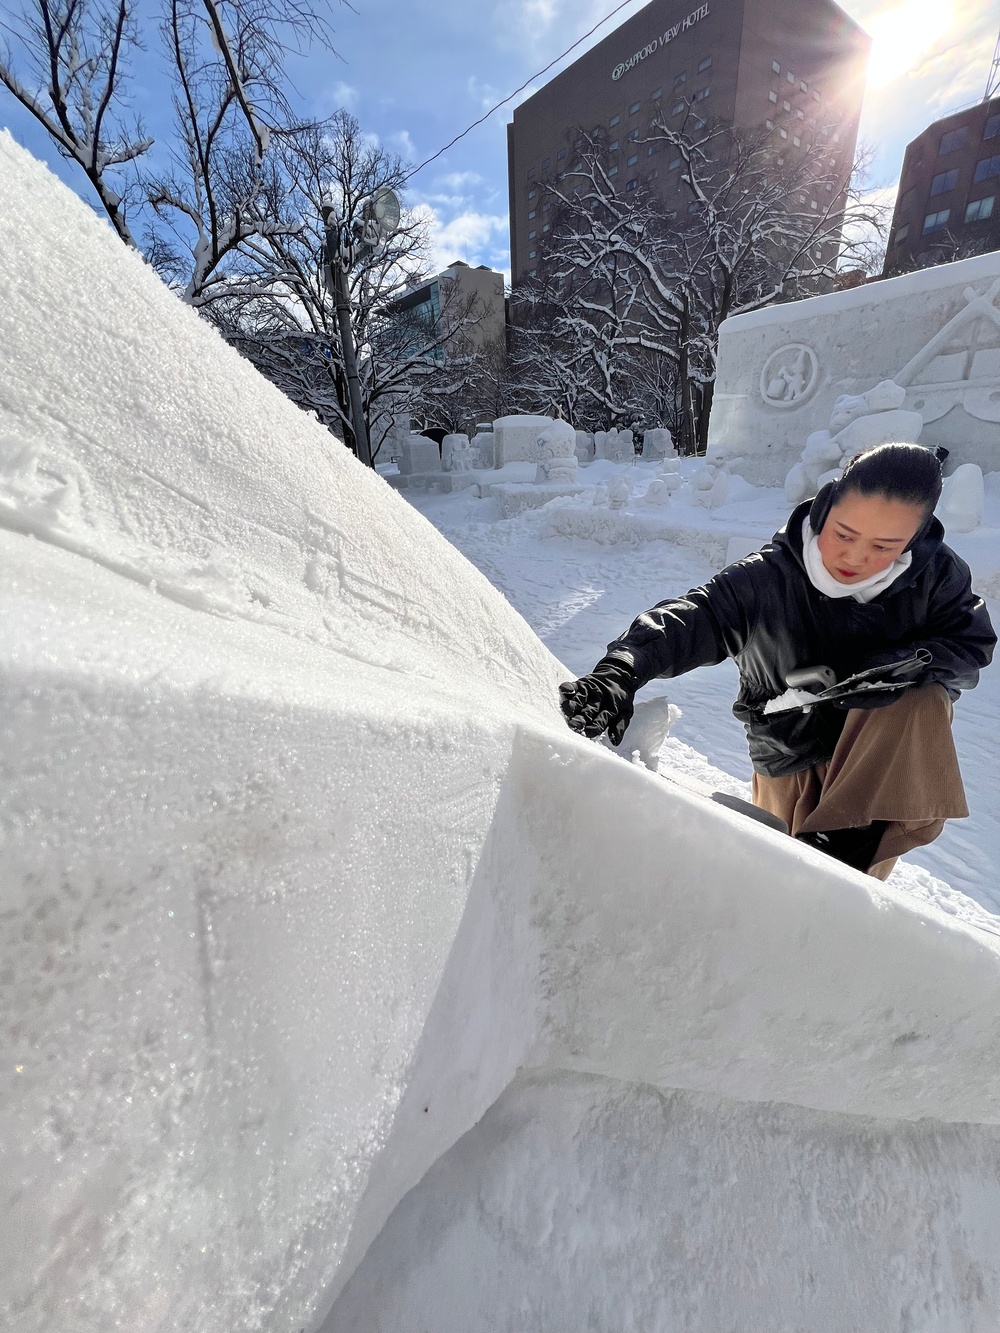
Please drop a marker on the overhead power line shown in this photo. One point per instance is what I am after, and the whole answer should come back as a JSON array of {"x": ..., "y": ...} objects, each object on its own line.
[{"x": 511, "y": 96}]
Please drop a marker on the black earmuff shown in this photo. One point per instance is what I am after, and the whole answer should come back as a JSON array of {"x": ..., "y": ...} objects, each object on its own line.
[{"x": 819, "y": 511}]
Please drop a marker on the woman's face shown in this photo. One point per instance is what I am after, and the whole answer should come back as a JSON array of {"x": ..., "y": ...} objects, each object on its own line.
[{"x": 864, "y": 534}]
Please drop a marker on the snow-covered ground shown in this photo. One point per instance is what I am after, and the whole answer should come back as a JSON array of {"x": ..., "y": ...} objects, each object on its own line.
[
  {"x": 579, "y": 575},
  {"x": 327, "y": 949}
]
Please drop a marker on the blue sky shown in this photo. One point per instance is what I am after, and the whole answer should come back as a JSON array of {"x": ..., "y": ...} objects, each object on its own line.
[{"x": 416, "y": 72}]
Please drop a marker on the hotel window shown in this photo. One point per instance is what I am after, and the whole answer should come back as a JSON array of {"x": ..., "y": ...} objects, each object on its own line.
[
  {"x": 953, "y": 140},
  {"x": 693, "y": 206},
  {"x": 613, "y": 146},
  {"x": 698, "y": 124},
  {"x": 803, "y": 87},
  {"x": 677, "y": 108},
  {"x": 612, "y": 171},
  {"x": 634, "y": 108},
  {"x": 790, "y": 77},
  {"x": 776, "y": 67},
  {"x": 986, "y": 169},
  {"x": 633, "y": 135},
  {"x": 532, "y": 235},
  {"x": 772, "y": 97},
  {"x": 829, "y": 187},
  {"x": 992, "y": 128},
  {"x": 901, "y": 234},
  {"x": 652, "y": 150},
  {"x": 632, "y": 160},
  {"x": 797, "y": 141},
  {"x": 614, "y": 121},
  {"x": 908, "y": 198},
  {"x": 532, "y": 254},
  {"x": 630, "y": 185},
  {"x": 701, "y": 94},
  {"x": 935, "y": 221},
  {"x": 812, "y": 204},
  {"x": 651, "y": 176},
  {"x": 548, "y": 228},
  {"x": 674, "y": 164},
  {"x": 681, "y": 78},
  {"x": 532, "y": 193},
  {"x": 786, "y": 106},
  {"x": 980, "y": 209},
  {"x": 561, "y": 154},
  {"x": 799, "y": 113},
  {"x": 655, "y": 96},
  {"x": 783, "y": 133},
  {"x": 944, "y": 181},
  {"x": 531, "y": 214},
  {"x": 815, "y": 95},
  {"x": 705, "y": 64},
  {"x": 769, "y": 124}
]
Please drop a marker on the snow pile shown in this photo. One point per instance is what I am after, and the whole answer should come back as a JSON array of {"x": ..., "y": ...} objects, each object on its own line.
[{"x": 303, "y": 875}]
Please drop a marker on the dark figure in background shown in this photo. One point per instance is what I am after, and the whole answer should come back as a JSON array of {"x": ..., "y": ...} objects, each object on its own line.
[{"x": 858, "y": 578}]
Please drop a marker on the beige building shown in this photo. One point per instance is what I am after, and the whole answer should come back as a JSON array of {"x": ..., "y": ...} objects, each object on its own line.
[
  {"x": 461, "y": 292},
  {"x": 789, "y": 64}
]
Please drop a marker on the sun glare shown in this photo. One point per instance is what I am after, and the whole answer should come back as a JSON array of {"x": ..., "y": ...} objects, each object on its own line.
[{"x": 903, "y": 34}]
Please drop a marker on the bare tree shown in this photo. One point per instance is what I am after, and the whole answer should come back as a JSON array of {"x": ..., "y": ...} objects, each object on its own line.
[
  {"x": 630, "y": 279},
  {"x": 76, "y": 56},
  {"x": 275, "y": 307}
]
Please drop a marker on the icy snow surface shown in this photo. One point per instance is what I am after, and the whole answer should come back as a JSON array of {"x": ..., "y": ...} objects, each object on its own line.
[{"x": 316, "y": 919}]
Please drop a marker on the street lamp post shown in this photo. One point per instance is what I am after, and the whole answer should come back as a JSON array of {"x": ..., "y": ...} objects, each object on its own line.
[
  {"x": 344, "y": 246},
  {"x": 339, "y": 254}
]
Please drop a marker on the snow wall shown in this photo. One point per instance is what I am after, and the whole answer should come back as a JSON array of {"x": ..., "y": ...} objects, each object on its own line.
[
  {"x": 935, "y": 332},
  {"x": 327, "y": 950}
]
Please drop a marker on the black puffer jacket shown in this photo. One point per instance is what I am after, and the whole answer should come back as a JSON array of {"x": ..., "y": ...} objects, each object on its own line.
[{"x": 765, "y": 613}]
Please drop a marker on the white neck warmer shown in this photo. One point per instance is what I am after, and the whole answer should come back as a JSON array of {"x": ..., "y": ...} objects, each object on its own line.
[{"x": 821, "y": 578}]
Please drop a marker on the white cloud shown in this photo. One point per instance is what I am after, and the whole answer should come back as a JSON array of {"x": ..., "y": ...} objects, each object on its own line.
[
  {"x": 343, "y": 95},
  {"x": 403, "y": 144},
  {"x": 477, "y": 238}
]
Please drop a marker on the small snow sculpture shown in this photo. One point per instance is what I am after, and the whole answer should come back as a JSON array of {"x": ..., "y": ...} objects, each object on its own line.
[
  {"x": 960, "y": 508},
  {"x": 658, "y": 443},
  {"x": 556, "y": 447},
  {"x": 461, "y": 456},
  {"x": 858, "y": 421},
  {"x": 483, "y": 446},
  {"x": 884, "y": 397},
  {"x": 622, "y": 447},
  {"x": 657, "y": 493},
  {"x": 618, "y": 493},
  {"x": 600, "y": 443},
  {"x": 600, "y": 494},
  {"x": 584, "y": 447},
  {"x": 450, "y": 445},
  {"x": 711, "y": 483}
]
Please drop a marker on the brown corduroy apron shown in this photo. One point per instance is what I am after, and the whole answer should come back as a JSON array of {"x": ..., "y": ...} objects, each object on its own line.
[{"x": 896, "y": 764}]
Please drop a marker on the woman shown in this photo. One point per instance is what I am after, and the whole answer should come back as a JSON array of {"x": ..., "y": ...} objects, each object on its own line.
[{"x": 859, "y": 578}]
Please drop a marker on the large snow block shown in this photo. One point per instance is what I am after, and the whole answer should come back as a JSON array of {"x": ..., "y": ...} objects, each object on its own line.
[
  {"x": 936, "y": 333},
  {"x": 515, "y": 438}
]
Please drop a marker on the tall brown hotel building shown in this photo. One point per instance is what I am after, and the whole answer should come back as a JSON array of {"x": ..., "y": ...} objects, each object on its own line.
[{"x": 788, "y": 64}]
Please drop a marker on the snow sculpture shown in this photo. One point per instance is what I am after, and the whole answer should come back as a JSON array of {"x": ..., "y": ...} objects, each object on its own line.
[
  {"x": 418, "y": 454},
  {"x": 619, "y": 492},
  {"x": 886, "y": 396},
  {"x": 600, "y": 443},
  {"x": 960, "y": 508},
  {"x": 483, "y": 448},
  {"x": 622, "y": 447},
  {"x": 658, "y": 443},
  {"x": 556, "y": 453},
  {"x": 648, "y": 730},
  {"x": 713, "y": 485},
  {"x": 584, "y": 447},
  {"x": 858, "y": 421},
  {"x": 657, "y": 493},
  {"x": 455, "y": 453},
  {"x": 514, "y": 438},
  {"x": 932, "y": 337},
  {"x": 600, "y": 494}
]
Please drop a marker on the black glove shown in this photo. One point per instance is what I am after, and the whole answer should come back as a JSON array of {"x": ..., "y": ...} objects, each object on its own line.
[{"x": 602, "y": 701}]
